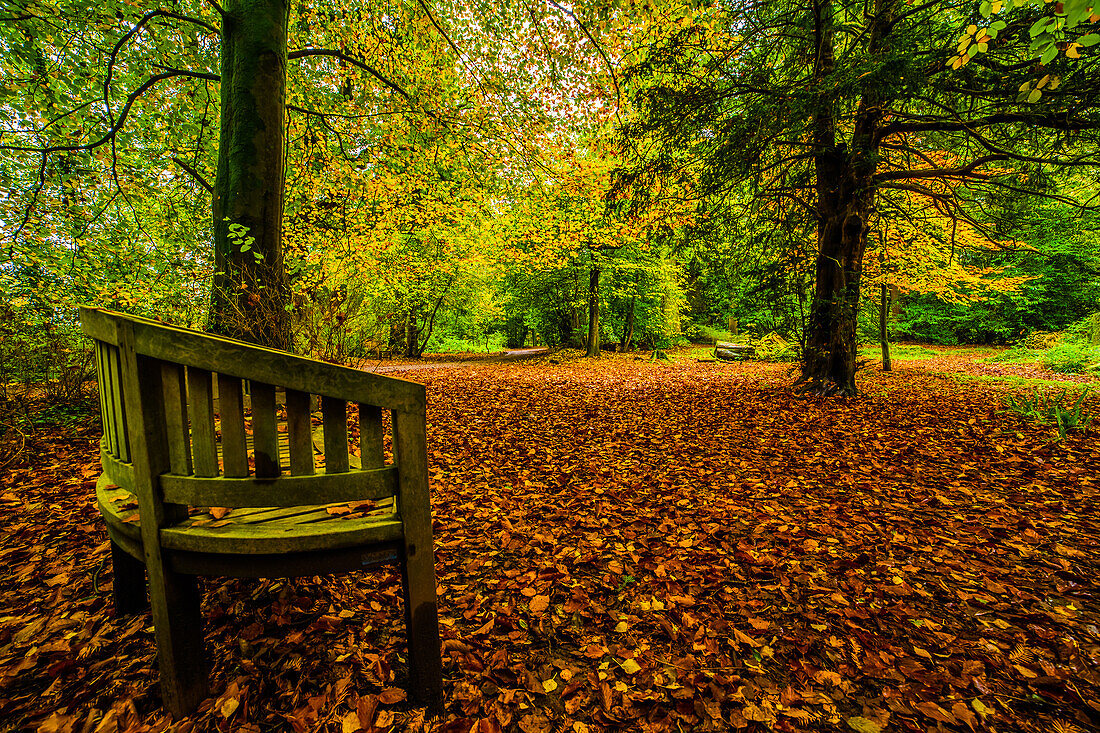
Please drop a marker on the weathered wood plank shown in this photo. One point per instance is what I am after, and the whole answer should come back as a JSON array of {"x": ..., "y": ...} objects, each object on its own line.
[
  {"x": 101, "y": 381},
  {"x": 252, "y": 539},
  {"x": 118, "y": 404},
  {"x": 418, "y": 562},
  {"x": 257, "y": 515},
  {"x": 286, "y": 564},
  {"x": 234, "y": 442},
  {"x": 334, "y": 414},
  {"x": 174, "y": 597},
  {"x": 240, "y": 359},
  {"x": 203, "y": 437},
  {"x": 299, "y": 429},
  {"x": 371, "y": 451},
  {"x": 284, "y": 491},
  {"x": 265, "y": 436},
  {"x": 174, "y": 381}
]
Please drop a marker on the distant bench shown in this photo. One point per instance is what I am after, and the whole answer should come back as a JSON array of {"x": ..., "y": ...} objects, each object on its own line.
[
  {"x": 727, "y": 351},
  {"x": 166, "y": 487}
]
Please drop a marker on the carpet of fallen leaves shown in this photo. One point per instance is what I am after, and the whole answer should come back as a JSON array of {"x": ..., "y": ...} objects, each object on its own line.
[{"x": 628, "y": 545}]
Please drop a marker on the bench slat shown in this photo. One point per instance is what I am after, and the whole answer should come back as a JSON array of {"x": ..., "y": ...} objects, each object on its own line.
[
  {"x": 174, "y": 384},
  {"x": 371, "y": 453},
  {"x": 234, "y": 442},
  {"x": 251, "y": 539},
  {"x": 257, "y": 515},
  {"x": 285, "y": 491},
  {"x": 104, "y": 416},
  {"x": 118, "y": 413},
  {"x": 204, "y": 439},
  {"x": 265, "y": 437},
  {"x": 299, "y": 429},
  {"x": 334, "y": 413}
]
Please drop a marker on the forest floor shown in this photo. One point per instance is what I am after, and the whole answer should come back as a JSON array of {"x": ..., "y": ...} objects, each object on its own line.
[{"x": 631, "y": 545}]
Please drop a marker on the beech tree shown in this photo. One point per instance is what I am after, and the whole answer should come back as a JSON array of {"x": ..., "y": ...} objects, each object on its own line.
[
  {"x": 822, "y": 107},
  {"x": 84, "y": 81}
]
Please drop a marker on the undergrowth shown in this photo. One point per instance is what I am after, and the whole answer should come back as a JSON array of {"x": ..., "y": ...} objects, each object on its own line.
[{"x": 1046, "y": 407}]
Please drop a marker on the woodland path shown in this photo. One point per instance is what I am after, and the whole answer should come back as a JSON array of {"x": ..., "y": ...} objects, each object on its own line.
[{"x": 511, "y": 355}]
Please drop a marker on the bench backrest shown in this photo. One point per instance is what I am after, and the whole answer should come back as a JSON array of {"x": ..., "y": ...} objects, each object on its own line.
[{"x": 157, "y": 393}]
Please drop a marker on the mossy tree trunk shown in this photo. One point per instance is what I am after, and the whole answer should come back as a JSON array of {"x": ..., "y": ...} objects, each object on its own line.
[{"x": 251, "y": 293}]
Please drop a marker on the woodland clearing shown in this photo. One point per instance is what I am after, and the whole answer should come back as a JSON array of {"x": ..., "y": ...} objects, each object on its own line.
[{"x": 625, "y": 544}]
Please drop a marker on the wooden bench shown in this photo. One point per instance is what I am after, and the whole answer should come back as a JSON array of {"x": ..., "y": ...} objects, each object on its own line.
[{"x": 178, "y": 442}]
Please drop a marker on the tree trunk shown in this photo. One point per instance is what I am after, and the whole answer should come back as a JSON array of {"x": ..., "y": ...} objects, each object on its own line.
[
  {"x": 883, "y": 335},
  {"x": 593, "y": 312},
  {"x": 628, "y": 329},
  {"x": 251, "y": 294},
  {"x": 412, "y": 334},
  {"x": 845, "y": 202}
]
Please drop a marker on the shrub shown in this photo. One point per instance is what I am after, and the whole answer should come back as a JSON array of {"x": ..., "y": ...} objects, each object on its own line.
[
  {"x": 1071, "y": 357},
  {"x": 1047, "y": 407}
]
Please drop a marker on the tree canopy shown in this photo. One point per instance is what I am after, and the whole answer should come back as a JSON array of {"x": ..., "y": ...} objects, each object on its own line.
[{"x": 351, "y": 181}]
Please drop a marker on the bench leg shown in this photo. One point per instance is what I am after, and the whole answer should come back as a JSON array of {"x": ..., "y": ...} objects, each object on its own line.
[
  {"x": 128, "y": 582},
  {"x": 422, "y": 627},
  {"x": 177, "y": 616}
]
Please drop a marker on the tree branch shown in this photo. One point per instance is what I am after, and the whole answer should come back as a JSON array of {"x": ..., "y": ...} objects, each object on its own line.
[
  {"x": 304, "y": 52},
  {"x": 1051, "y": 122},
  {"x": 966, "y": 171},
  {"x": 114, "y": 128},
  {"x": 194, "y": 174}
]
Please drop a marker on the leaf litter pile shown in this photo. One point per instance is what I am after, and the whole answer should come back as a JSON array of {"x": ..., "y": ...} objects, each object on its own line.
[{"x": 628, "y": 546}]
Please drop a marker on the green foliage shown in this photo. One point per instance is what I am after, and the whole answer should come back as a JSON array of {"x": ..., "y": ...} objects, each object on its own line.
[
  {"x": 1047, "y": 407},
  {"x": 1016, "y": 354},
  {"x": 1071, "y": 357},
  {"x": 447, "y": 344}
]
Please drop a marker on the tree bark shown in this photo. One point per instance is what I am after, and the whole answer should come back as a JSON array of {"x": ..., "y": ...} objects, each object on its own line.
[
  {"x": 845, "y": 203},
  {"x": 628, "y": 329},
  {"x": 250, "y": 294},
  {"x": 593, "y": 312},
  {"x": 883, "y": 335}
]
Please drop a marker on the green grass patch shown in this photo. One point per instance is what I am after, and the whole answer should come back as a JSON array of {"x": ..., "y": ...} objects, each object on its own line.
[
  {"x": 900, "y": 351},
  {"x": 455, "y": 345},
  {"x": 1016, "y": 355},
  {"x": 1015, "y": 381}
]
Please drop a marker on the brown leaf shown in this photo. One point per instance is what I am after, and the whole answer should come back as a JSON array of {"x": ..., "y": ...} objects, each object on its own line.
[
  {"x": 391, "y": 695},
  {"x": 934, "y": 711}
]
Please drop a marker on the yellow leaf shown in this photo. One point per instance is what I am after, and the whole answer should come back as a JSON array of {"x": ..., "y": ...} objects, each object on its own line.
[
  {"x": 550, "y": 685},
  {"x": 229, "y": 707},
  {"x": 863, "y": 725},
  {"x": 350, "y": 723},
  {"x": 631, "y": 667}
]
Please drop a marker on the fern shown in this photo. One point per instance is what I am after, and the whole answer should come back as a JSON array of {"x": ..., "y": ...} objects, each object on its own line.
[{"x": 1048, "y": 407}]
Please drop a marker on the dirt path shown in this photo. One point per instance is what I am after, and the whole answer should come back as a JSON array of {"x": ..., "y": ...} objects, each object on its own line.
[{"x": 498, "y": 358}]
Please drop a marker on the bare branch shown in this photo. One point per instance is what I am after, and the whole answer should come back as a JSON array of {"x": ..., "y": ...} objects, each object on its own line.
[
  {"x": 305, "y": 52},
  {"x": 194, "y": 174},
  {"x": 966, "y": 171}
]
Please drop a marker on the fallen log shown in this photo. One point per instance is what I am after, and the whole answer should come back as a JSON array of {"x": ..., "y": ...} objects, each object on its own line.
[{"x": 727, "y": 351}]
